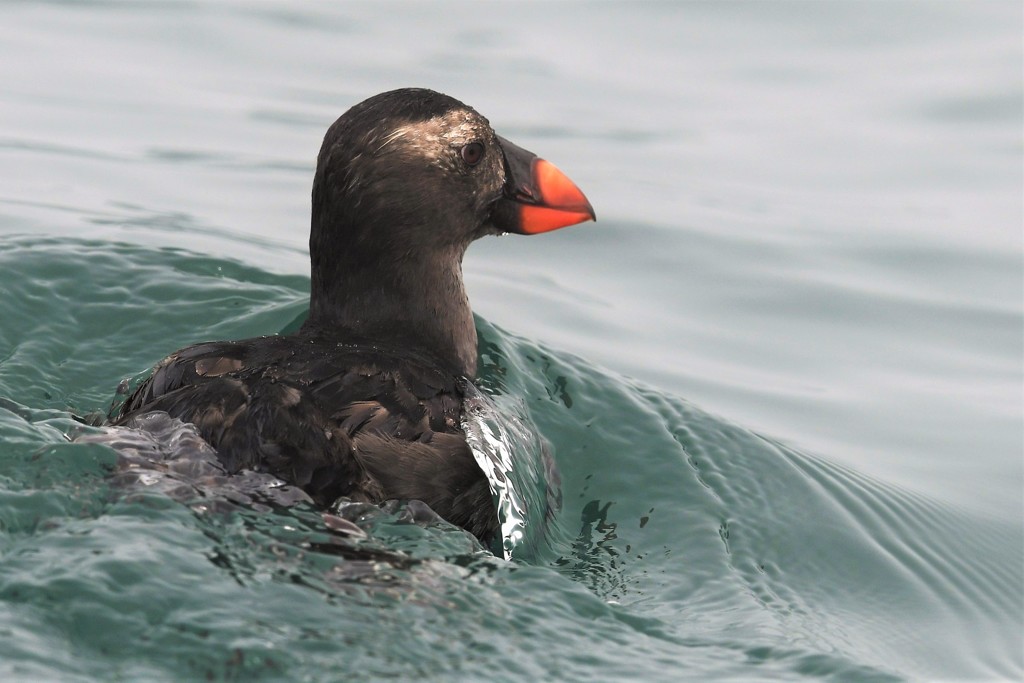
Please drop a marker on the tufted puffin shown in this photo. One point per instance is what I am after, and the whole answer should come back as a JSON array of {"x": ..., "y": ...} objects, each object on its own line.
[{"x": 365, "y": 400}]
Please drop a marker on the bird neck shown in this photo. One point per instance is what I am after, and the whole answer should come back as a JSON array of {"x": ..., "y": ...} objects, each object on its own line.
[{"x": 412, "y": 299}]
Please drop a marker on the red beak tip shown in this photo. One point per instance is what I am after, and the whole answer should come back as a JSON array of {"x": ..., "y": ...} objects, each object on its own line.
[{"x": 561, "y": 203}]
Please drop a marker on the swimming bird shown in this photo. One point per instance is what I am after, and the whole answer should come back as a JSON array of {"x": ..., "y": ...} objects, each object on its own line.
[{"x": 365, "y": 400}]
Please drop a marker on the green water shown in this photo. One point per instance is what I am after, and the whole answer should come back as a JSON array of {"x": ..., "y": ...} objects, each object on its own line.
[{"x": 685, "y": 543}]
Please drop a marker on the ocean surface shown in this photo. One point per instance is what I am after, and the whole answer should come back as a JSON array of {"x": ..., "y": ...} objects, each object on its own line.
[{"x": 782, "y": 376}]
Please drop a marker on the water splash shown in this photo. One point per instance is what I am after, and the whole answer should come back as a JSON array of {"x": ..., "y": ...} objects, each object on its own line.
[{"x": 520, "y": 471}]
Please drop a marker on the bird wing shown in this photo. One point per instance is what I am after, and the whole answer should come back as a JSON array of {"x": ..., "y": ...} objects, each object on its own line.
[{"x": 335, "y": 421}]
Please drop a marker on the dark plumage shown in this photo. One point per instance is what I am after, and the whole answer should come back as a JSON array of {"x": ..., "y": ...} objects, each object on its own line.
[{"x": 365, "y": 401}]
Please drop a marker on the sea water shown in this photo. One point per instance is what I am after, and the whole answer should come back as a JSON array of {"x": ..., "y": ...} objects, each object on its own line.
[{"x": 781, "y": 376}]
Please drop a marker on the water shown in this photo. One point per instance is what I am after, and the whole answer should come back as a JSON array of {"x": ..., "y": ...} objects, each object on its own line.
[{"x": 782, "y": 376}]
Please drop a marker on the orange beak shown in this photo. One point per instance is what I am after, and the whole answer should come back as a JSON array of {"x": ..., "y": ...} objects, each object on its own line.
[{"x": 537, "y": 196}]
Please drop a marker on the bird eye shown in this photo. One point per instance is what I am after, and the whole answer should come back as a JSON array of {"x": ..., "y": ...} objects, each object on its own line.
[{"x": 472, "y": 153}]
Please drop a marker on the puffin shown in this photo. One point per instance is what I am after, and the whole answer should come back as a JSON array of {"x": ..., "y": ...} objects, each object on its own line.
[{"x": 365, "y": 401}]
